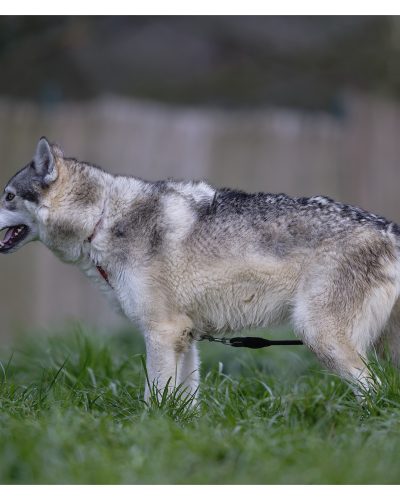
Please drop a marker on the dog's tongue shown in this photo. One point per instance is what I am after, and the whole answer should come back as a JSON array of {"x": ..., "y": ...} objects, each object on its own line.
[{"x": 9, "y": 234}]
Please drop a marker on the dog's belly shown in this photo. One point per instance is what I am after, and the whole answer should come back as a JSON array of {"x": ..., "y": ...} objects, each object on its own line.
[
  {"x": 247, "y": 300},
  {"x": 217, "y": 313}
]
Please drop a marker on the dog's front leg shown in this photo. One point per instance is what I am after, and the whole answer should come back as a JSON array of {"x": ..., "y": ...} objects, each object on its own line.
[{"x": 171, "y": 360}]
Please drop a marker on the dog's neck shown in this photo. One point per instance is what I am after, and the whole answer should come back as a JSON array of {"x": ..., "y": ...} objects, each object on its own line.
[
  {"x": 99, "y": 221},
  {"x": 103, "y": 273},
  {"x": 96, "y": 227}
]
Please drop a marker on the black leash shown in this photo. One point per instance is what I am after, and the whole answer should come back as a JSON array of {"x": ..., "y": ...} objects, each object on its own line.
[{"x": 250, "y": 342}]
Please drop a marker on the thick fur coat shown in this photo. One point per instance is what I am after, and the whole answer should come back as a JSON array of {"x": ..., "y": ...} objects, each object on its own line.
[{"x": 183, "y": 259}]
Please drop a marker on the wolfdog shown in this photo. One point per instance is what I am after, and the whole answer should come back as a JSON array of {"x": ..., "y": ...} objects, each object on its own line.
[{"x": 184, "y": 259}]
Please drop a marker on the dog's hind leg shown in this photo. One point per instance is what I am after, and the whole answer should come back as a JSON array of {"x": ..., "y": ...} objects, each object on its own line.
[
  {"x": 341, "y": 357},
  {"x": 343, "y": 314},
  {"x": 341, "y": 341},
  {"x": 389, "y": 342}
]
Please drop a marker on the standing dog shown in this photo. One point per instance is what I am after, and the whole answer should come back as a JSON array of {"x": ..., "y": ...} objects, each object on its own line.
[{"x": 182, "y": 259}]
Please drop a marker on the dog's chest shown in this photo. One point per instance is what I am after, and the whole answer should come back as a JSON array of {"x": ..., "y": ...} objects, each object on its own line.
[{"x": 102, "y": 276}]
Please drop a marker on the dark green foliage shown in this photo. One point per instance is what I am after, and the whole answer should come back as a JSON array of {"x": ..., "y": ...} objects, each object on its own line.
[{"x": 72, "y": 411}]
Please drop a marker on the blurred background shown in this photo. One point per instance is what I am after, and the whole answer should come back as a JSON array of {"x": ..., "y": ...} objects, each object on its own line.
[{"x": 302, "y": 105}]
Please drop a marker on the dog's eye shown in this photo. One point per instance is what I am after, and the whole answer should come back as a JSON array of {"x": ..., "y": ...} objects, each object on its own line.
[{"x": 10, "y": 197}]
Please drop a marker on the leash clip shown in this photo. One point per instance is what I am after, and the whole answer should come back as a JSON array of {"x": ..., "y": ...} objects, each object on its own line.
[{"x": 214, "y": 339}]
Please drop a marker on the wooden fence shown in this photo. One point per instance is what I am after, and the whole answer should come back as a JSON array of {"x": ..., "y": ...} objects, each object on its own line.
[{"x": 355, "y": 158}]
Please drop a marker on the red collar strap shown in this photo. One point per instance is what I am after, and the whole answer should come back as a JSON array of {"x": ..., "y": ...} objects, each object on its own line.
[{"x": 103, "y": 273}]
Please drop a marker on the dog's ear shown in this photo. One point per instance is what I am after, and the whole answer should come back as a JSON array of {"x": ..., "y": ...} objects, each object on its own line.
[{"x": 44, "y": 162}]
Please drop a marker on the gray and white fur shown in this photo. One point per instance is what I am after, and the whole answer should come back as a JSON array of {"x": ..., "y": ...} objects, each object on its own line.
[{"x": 183, "y": 259}]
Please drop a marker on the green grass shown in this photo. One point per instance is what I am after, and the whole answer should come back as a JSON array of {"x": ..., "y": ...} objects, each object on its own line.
[{"x": 71, "y": 411}]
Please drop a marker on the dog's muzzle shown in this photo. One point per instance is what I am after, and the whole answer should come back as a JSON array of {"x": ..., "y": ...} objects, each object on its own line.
[{"x": 13, "y": 236}]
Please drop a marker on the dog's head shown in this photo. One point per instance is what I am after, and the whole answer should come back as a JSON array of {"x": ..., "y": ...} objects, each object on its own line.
[
  {"x": 45, "y": 201},
  {"x": 22, "y": 197}
]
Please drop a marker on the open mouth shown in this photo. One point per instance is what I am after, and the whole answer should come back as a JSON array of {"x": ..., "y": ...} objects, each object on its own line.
[{"x": 13, "y": 236}]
